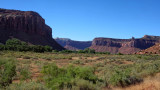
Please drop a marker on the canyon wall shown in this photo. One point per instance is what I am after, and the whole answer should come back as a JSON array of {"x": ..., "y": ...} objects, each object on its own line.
[{"x": 27, "y": 26}]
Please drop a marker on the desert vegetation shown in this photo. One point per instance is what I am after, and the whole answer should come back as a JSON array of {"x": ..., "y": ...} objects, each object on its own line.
[
  {"x": 75, "y": 71},
  {"x": 17, "y": 45}
]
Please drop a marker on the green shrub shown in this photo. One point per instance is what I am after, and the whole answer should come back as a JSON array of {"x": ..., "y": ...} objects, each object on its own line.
[
  {"x": 48, "y": 48},
  {"x": 123, "y": 78},
  {"x": 128, "y": 74},
  {"x": 88, "y": 50},
  {"x": 24, "y": 74},
  {"x": 27, "y": 86},
  {"x": 66, "y": 51},
  {"x": 82, "y": 84},
  {"x": 55, "y": 77},
  {"x": 15, "y": 45},
  {"x": 23, "y": 48},
  {"x": 145, "y": 69},
  {"x": 81, "y": 51},
  {"x": 60, "y": 78},
  {"x": 108, "y": 53},
  {"x": 119, "y": 54},
  {"x": 7, "y": 71},
  {"x": 77, "y": 62},
  {"x": 38, "y": 48},
  {"x": 2, "y": 47},
  {"x": 13, "y": 42},
  {"x": 99, "y": 65}
]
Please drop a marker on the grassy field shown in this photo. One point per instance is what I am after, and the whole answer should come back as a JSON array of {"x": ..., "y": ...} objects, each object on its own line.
[{"x": 60, "y": 71}]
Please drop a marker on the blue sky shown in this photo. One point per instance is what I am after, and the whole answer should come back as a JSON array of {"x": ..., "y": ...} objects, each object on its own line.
[{"x": 86, "y": 19}]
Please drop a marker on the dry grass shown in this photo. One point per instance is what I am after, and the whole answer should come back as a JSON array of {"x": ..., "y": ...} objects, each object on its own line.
[{"x": 150, "y": 83}]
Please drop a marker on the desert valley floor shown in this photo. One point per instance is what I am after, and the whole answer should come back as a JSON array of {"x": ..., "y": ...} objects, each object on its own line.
[{"x": 115, "y": 72}]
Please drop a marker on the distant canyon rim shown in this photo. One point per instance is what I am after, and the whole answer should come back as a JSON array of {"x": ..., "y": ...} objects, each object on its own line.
[{"x": 30, "y": 27}]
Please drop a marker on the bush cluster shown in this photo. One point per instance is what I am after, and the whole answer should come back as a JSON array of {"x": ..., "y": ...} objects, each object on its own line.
[
  {"x": 7, "y": 71},
  {"x": 17, "y": 45},
  {"x": 26, "y": 86},
  {"x": 60, "y": 78},
  {"x": 124, "y": 75},
  {"x": 87, "y": 51},
  {"x": 123, "y": 78}
]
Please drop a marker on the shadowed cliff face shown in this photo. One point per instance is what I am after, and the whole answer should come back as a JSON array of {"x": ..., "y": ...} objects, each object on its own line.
[
  {"x": 125, "y": 46},
  {"x": 27, "y": 26},
  {"x": 73, "y": 45},
  {"x": 151, "y": 50}
]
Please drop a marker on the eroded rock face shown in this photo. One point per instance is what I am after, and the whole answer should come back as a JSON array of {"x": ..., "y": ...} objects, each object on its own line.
[
  {"x": 125, "y": 46},
  {"x": 73, "y": 45},
  {"x": 151, "y": 50},
  {"x": 27, "y": 26}
]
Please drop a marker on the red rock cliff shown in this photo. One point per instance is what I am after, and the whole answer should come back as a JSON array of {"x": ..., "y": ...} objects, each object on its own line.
[
  {"x": 27, "y": 26},
  {"x": 125, "y": 46}
]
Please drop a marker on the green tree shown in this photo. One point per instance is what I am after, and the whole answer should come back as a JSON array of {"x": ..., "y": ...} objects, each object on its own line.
[
  {"x": 16, "y": 45},
  {"x": 38, "y": 48},
  {"x": 48, "y": 48},
  {"x": 13, "y": 42},
  {"x": 88, "y": 50}
]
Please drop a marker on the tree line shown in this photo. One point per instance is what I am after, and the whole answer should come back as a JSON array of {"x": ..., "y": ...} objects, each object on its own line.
[
  {"x": 87, "y": 50},
  {"x": 17, "y": 45}
]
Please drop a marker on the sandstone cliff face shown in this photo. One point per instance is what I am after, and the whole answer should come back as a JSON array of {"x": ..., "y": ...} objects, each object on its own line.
[
  {"x": 151, "y": 50},
  {"x": 73, "y": 45},
  {"x": 27, "y": 26},
  {"x": 125, "y": 46}
]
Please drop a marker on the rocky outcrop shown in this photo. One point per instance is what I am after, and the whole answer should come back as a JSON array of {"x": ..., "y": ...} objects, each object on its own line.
[
  {"x": 27, "y": 26},
  {"x": 73, "y": 45},
  {"x": 68, "y": 47},
  {"x": 125, "y": 46},
  {"x": 151, "y": 50},
  {"x": 149, "y": 37}
]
